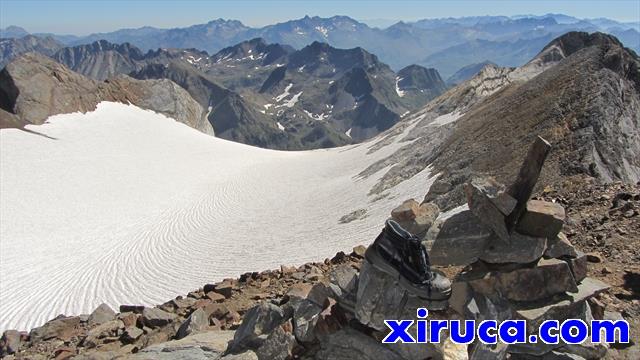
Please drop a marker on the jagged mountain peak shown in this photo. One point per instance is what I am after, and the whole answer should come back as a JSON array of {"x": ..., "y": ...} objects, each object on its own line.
[{"x": 340, "y": 58}]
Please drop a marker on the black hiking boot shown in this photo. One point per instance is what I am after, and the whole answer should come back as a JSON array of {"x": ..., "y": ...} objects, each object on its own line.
[{"x": 401, "y": 255}]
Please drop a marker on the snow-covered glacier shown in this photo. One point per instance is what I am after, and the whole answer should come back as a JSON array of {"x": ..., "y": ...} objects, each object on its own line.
[{"x": 123, "y": 205}]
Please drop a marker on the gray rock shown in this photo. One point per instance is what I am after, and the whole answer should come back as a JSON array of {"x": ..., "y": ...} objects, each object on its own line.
[
  {"x": 461, "y": 239},
  {"x": 577, "y": 310},
  {"x": 482, "y": 308},
  {"x": 415, "y": 218},
  {"x": 348, "y": 344},
  {"x": 381, "y": 297},
  {"x": 154, "y": 317},
  {"x": 563, "y": 307},
  {"x": 197, "y": 321},
  {"x": 60, "y": 328},
  {"x": 205, "y": 345},
  {"x": 541, "y": 219},
  {"x": 521, "y": 249},
  {"x": 257, "y": 324},
  {"x": 277, "y": 346},
  {"x": 10, "y": 342},
  {"x": 549, "y": 277},
  {"x": 344, "y": 285},
  {"x": 101, "y": 315},
  {"x": 305, "y": 317},
  {"x": 478, "y": 193},
  {"x": 131, "y": 334},
  {"x": 523, "y": 186},
  {"x": 108, "y": 329},
  {"x": 560, "y": 247}
]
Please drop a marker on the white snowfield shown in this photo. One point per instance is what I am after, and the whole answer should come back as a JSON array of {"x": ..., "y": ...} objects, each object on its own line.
[{"x": 126, "y": 206}]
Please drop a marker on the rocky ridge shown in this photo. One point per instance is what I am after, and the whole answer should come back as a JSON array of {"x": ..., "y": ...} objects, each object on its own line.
[{"x": 34, "y": 87}]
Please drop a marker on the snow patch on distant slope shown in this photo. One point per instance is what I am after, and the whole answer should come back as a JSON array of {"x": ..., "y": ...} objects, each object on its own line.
[
  {"x": 284, "y": 94},
  {"x": 446, "y": 118},
  {"x": 398, "y": 91}
]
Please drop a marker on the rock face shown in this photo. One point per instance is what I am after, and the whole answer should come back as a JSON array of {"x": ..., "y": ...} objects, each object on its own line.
[
  {"x": 101, "y": 59},
  {"x": 33, "y": 87},
  {"x": 486, "y": 141}
]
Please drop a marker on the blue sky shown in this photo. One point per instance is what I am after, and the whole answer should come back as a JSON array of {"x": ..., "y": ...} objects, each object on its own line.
[{"x": 88, "y": 16}]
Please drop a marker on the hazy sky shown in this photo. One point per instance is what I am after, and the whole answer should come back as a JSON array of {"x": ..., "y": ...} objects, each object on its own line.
[{"x": 88, "y": 16}]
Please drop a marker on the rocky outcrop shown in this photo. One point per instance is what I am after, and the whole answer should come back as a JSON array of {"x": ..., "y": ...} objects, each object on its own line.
[
  {"x": 33, "y": 87},
  {"x": 100, "y": 60}
]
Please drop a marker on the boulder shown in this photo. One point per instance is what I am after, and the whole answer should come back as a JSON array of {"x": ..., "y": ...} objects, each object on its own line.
[
  {"x": 560, "y": 247},
  {"x": 257, "y": 324},
  {"x": 344, "y": 285},
  {"x": 305, "y": 317},
  {"x": 299, "y": 290},
  {"x": 215, "y": 297},
  {"x": 225, "y": 289},
  {"x": 131, "y": 334},
  {"x": 459, "y": 240},
  {"x": 349, "y": 344},
  {"x": 525, "y": 182},
  {"x": 358, "y": 251},
  {"x": 128, "y": 318},
  {"x": 277, "y": 346},
  {"x": 478, "y": 192},
  {"x": 521, "y": 249},
  {"x": 105, "y": 330},
  {"x": 62, "y": 328},
  {"x": 101, "y": 315},
  {"x": 10, "y": 342},
  {"x": 381, "y": 297},
  {"x": 154, "y": 317},
  {"x": 481, "y": 308},
  {"x": 547, "y": 278},
  {"x": 197, "y": 321},
  {"x": 205, "y": 345},
  {"x": 561, "y": 308},
  {"x": 415, "y": 218},
  {"x": 183, "y": 303},
  {"x": 406, "y": 212},
  {"x": 541, "y": 219}
]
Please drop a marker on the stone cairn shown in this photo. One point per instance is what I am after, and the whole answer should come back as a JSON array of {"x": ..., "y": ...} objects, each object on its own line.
[{"x": 517, "y": 265}]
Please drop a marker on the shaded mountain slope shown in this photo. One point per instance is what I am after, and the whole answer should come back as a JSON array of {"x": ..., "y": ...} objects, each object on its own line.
[{"x": 587, "y": 106}]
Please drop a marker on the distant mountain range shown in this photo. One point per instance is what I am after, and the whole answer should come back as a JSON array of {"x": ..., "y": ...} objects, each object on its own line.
[
  {"x": 268, "y": 95},
  {"x": 446, "y": 44}
]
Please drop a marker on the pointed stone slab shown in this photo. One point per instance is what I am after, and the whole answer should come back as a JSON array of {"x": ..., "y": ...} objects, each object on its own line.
[{"x": 522, "y": 188}]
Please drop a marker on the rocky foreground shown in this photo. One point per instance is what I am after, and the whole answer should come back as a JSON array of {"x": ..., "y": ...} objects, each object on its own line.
[{"x": 333, "y": 309}]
